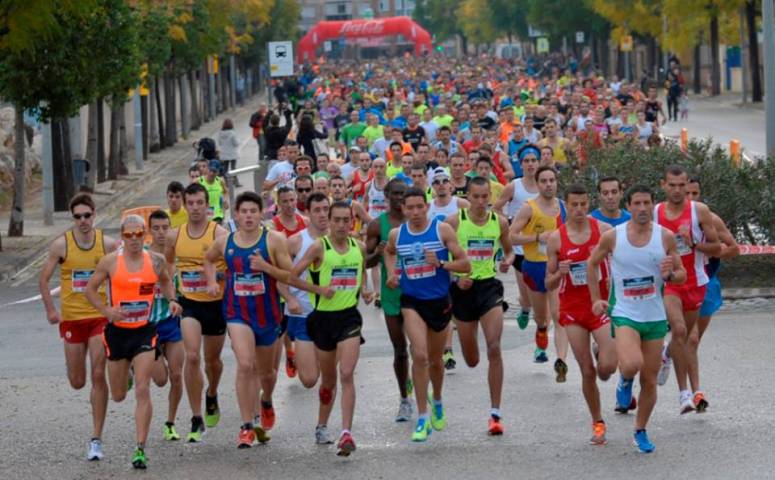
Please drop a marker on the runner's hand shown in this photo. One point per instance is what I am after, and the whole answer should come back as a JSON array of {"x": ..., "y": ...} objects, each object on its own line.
[
  {"x": 53, "y": 317},
  {"x": 258, "y": 264},
  {"x": 213, "y": 290},
  {"x": 367, "y": 296},
  {"x": 600, "y": 307},
  {"x": 392, "y": 281},
  {"x": 293, "y": 306},
  {"x": 175, "y": 308},
  {"x": 380, "y": 248},
  {"x": 506, "y": 262},
  {"x": 431, "y": 258},
  {"x": 327, "y": 292},
  {"x": 564, "y": 267},
  {"x": 683, "y": 231},
  {"x": 666, "y": 267},
  {"x": 115, "y": 314},
  {"x": 464, "y": 283}
]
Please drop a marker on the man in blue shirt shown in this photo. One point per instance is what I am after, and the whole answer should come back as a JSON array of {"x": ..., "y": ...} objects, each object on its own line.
[{"x": 609, "y": 190}]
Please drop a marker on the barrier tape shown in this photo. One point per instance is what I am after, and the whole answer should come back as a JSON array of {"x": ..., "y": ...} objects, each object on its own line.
[{"x": 757, "y": 249}]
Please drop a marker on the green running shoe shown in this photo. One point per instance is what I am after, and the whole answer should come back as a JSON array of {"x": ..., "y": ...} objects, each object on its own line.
[
  {"x": 422, "y": 431},
  {"x": 523, "y": 318},
  {"x": 197, "y": 430},
  {"x": 170, "y": 434},
  {"x": 140, "y": 461},
  {"x": 438, "y": 417},
  {"x": 261, "y": 435},
  {"x": 212, "y": 412}
]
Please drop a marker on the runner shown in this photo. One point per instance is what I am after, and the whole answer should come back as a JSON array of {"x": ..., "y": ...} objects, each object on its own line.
[
  {"x": 168, "y": 330},
  {"x": 217, "y": 192},
  {"x": 567, "y": 252},
  {"x": 695, "y": 236},
  {"x": 77, "y": 253},
  {"x": 514, "y": 196},
  {"x": 362, "y": 176},
  {"x": 643, "y": 257},
  {"x": 339, "y": 194},
  {"x": 457, "y": 170},
  {"x": 444, "y": 204},
  {"x": 477, "y": 297},
  {"x": 609, "y": 194},
  {"x": 423, "y": 248},
  {"x": 531, "y": 228},
  {"x": 377, "y": 235},
  {"x": 130, "y": 338},
  {"x": 376, "y": 205},
  {"x": 202, "y": 321},
  {"x": 252, "y": 310},
  {"x": 175, "y": 211}
]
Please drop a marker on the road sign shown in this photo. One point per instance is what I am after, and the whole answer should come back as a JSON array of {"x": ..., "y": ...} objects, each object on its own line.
[
  {"x": 281, "y": 59},
  {"x": 542, "y": 45},
  {"x": 534, "y": 32},
  {"x": 579, "y": 37},
  {"x": 626, "y": 44}
]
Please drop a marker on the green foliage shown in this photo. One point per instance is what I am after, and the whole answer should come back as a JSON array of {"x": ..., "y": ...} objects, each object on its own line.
[
  {"x": 24, "y": 22},
  {"x": 440, "y": 17},
  {"x": 284, "y": 26},
  {"x": 558, "y": 18}
]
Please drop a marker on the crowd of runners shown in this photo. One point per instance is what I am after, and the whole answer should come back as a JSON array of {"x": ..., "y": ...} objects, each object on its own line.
[{"x": 412, "y": 183}]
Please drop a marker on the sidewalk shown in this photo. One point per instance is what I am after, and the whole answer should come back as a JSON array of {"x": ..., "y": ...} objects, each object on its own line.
[{"x": 22, "y": 256}]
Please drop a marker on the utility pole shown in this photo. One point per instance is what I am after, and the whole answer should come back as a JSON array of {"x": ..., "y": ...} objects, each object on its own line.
[
  {"x": 768, "y": 22},
  {"x": 48, "y": 175},
  {"x": 743, "y": 55}
]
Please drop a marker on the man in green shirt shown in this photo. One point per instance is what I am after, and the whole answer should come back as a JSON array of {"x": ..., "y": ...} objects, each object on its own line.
[
  {"x": 373, "y": 130},
  {"x": 352, "y": 130},
  {"x": 442, "y": 118}
]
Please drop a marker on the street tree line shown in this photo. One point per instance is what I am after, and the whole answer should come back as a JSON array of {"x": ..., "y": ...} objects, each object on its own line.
[{"x": 184, "y": 56}]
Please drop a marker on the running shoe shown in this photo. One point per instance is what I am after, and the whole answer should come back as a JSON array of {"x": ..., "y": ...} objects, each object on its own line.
[
  {"x": 197, "y": 430},
  {"x": 542, "y": 339},
  {"x": 494, "y": 426},
  {"x": 539, "y": 356},
  {"x": 261, "y": 435},
  {"x": 561, "y": 368},
  {"x": 641, "y": 440},
  {"x": 322, "y": 437},
  {"x": 623, "y": 395},
  {"x": 667, "y": 364},
  {"x": 267, "y": 416},
  {"x": 409, "y": 387},
  {"x": 212, "y": 412},
  {"x": 170, "y": 434},
  {"x": 95, "y": 450},
  {"x": 438, "y": 417},
  {"x": 246, "y": 438},
  {"x": 523, "y": 318},
  {"x": 404, "y": 411},
  {"x": 598, "y": 434},
  {"x": 290, "y": 364},
  {"x": 139, "y": 460},
  {"x": 422, "y": 431},
  {"x": 346, "y": 445},
  {"x": 377, "y": 301},
  {"x": 449, "y": 360},
  {"x": 687, "y": 405},
  {"x": 700, "y": 403}
]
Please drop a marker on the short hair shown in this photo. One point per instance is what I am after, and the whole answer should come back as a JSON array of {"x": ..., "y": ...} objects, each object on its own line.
[
  {"x": 418, "y": 166},
  {"x": 479, "y": 181},
  {"x": 543, "y": 169},
  {"x": 547, "y": 147},
  {"x": 193, "y": 168},
  {"x": 415, "y": 192},
  {"x": 303, "y": 158},
  {"x": 457, "y": 155},
  {"x": 227, "y": 124},
  {"x": 445, "y": 129},
  {"x": 285, "y": 189},
  {"x": 175, "y": 186},
  {"x": 442, "y": 150},
  {"x": 675, "y": 170},
  {"x": 301, "y": 178},
  {"x": 695, "y": 179},
  {"x": 83, "y": 199},
  {"x": 249, "y": 197},
  {"x": 132, "y": 219},
  {"x": 158, "y": 215},
  {"x": 396, "y": 144},
  {"x": 575, "y": 189},
  {"x": 639, "y": 188},
  {"x": 316, "y": 197},
  {"x": 336, "y": 177},
  {"x": 339, "y": 204},
  {"x": 393, "y": 181},
  {"x": 609, "y": 178},
  {"x": 483, "y": 159},
  {"x": 322, "y": 154},
  {"x": 193, "y": 189}
]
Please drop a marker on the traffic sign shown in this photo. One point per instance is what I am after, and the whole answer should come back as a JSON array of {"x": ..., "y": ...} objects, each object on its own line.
[
  {"x": 281, "y": 59},
  {"x": 542, "y": 45},
  {"x": 579, "y": 37},
  {"x": 626, "y": 43}
]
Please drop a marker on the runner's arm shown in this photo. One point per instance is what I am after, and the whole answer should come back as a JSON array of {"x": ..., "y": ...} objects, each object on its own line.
[
  {"x": 169, "y": 249},
  {"x": 729, "y": 247},
  {"x": 604, "y": 247},
  {"x": 677, "y": 274},
  {"x": 110, "y": 244},
  {"x": 461, "y": 263},
  {"x": 374, "y": 247},
  {"x": 213, "y": 254},
  {"x": 100, "y": 274},
  {"x": 56, "y": 253},
  {"x": 508, "y": 249},
  {"x": 463, "y": 203},
  {"x": 390, "y": 254},
  {"x": 518, "y": 224},
  {"x": 366, "y": 294},
  {"x": 710, "y": 246},
  {"x": 165, "y": 279},
  {"x": 553, "y": 273}
]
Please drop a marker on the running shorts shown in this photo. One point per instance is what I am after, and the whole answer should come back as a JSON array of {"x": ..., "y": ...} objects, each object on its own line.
[
  {"x": 265, "y": 335},
  {"x": 584, "y": 318},
  {"x": 472, "y": 304},
  {"x": 297, "y": 328},
  {"x": 126, "y": 343},
  {"x": 534, "y": 275},
  {"x": 647, "y": 330},
  {"x": 80, "y": 331},
  {"x": 713, "y": 299},
  {"x": 327, "y": 329},
  {"x": 691, "y": 296},
  {"x": 208, "y": 314},
  {"x": 168, "y": 330},
  {"x": 436, "y": 313},
  {"x": 391, "y": 300},
  {"x": 518, "y": 262}
]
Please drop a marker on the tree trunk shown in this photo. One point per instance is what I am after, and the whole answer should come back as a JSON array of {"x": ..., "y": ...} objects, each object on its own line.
[
  {"x": 63, "y": 165},
  {"x": 753, "y": 51},
  {"x": 696, "y": 69},
  {"x": 91, "y": 145},
  {"x": 16, "y": 223},
  {"x": 160, "y": 115},
  {"x": 122, "y": 142},
  {"x": 153, "y": 119},
  {"x": 185, "y": 102},
  {"x": 115, "y": 120},
  {"x": 195, "y": 119},
  {"x": 204, "y": 89},
  {"x": 218, "y": 92},
  {"x": 144, "y": 119},
  {"x": 715, "y": 77},
  {"x": 101, "y": 170},
  {"x": 170, "y": 136}
]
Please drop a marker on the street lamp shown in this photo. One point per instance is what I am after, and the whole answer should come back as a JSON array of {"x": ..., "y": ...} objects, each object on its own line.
[{"x": 768, "y": 21}]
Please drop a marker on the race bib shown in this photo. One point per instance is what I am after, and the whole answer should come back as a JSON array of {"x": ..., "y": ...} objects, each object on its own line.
[
  {"x": 542, "y": 247},
  {"x": 642, "y": 288},
  {"x": 80, "y": 279},
  {"x": 344, "y": 278},
  {"x": 135, "y": 312},
  {"x": 249, "y": 284},
  {"x": 416, "y": 269},
  {"x": 192, "y": 281},
  {"x": 480, "y": 248},
  {"x": 157, "y": 292},
  {"x": 681, "y": 246},
  {"x": 578, "y": 274}
]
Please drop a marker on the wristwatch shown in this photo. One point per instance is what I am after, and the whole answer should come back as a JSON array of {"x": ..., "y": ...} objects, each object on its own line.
[{"x": 442, "y": 263}]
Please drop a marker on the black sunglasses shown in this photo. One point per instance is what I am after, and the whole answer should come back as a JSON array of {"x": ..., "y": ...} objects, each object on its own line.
[
  {"x": 304, "y": 190},
  {"x": 85, "y": 216}
]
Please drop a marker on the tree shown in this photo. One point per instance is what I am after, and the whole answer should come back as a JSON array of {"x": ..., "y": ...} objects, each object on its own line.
[
  {"x": 509, "y": 17},
  {"x": 753, "y": 50},
  {"x": 440, "y": 18},
  {"x": 475, "y": 20}
]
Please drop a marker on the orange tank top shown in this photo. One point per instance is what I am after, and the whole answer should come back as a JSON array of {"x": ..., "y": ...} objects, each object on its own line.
[{"x": 133, "y": 292}]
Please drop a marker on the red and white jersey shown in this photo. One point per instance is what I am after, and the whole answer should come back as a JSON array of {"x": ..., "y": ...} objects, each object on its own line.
[
  {"x": 280, "y": 227},
  {"x": 693, "y": 261},
  {"x": 359, "y": 184},
  {"x": 574, "y": 293}
]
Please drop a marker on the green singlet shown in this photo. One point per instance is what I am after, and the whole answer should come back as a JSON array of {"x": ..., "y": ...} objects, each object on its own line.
[{"x": 342, "y": 272}]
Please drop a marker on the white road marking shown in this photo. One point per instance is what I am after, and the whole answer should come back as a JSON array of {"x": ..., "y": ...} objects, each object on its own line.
[{"x": 54, "y": 293}]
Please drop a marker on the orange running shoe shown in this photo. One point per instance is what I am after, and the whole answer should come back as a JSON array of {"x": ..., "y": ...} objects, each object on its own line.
[
  {"x": 700, "y": 403},
  {"x": 247, "y": 437},
  {"x": 598, "y": 434},
  {"x": 494, "y": 426},
  {"x": 542, "y": 339},
  {"x": 267, "y": 417},
  {"x": 290, "y": 364}
]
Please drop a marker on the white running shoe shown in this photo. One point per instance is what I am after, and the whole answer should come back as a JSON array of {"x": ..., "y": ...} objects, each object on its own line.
[
  {"x": 404, "y": 411},
  {"x": 95, "y": 450},
  {"x": 664, "y": 370},
  {"x": 687, "y": 404},
  {"x": 322, "y": 436}
]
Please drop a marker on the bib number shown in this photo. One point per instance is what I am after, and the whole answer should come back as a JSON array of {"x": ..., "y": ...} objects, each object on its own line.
[
  {"x": 542, "y": 247},
  {"x": 480, "y": 249},
  {"x": 193, "y": 281},
  {"x": 135, "y": 312},
  {"x": 681, "y": 246},
  {"x": 249, "y": 284},
  {"x": 578, "y": 274},
  {"x": 80, "y": 279},
  {"x": 343, "y": 278},
  {"x": 642, "y": 288}
]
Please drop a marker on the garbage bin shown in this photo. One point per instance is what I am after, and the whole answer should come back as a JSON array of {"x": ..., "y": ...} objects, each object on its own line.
[{"x": 80, "y": 169}]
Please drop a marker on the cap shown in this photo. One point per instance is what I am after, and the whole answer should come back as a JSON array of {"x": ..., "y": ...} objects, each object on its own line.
[
  {"x": 355, "y": 148},
  {"x": 439, "y": 174},
  {"x": 214, "y": 165}
]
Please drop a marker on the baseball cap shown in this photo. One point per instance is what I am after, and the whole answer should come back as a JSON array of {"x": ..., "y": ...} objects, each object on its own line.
[{"x": 439, "y": 174}]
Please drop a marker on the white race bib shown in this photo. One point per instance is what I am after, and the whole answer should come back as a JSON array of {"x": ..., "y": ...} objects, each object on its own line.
[
  {"x": 249, "y": 284},
  {"x": 642, "y": 288},
  {"x": 136, "y": 311},
  {"x": 344, "y": 278},
  {"x": 80, "y": 279},
  {"x": 192, "y": 281}
]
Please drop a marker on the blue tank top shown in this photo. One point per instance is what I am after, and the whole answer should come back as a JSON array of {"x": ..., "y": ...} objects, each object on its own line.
[
  {"x": 250, "y": 296},
  {"x": 419, "y": 279},
  {"x": 598, "y": 215}
]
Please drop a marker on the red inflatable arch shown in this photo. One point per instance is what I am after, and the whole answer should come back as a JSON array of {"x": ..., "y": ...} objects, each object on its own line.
[{"x": 377, "y": 27}]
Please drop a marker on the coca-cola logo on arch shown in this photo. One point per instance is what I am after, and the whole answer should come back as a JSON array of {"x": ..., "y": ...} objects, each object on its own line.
[{"x": 370, "y": 27}]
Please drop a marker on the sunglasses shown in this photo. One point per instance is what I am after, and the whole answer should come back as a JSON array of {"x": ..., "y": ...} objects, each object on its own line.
[
  {"x": 84, "y": 216},
  {"x": 133, "y": 234},
  {"x": 443, "y": 182},
  {"x": 304, "y": 190}
]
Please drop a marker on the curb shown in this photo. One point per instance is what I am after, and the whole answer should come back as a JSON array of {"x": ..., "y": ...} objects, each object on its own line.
[{"x": 744, "y": 293}]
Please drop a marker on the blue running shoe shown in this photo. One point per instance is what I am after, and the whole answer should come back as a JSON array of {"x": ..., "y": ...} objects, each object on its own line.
[
  {"x": 623, "y": 395},
  {"x": 641, "y": 440},
  {"x": 422, "y": 431},
  {"x": 539, "y": 356}
]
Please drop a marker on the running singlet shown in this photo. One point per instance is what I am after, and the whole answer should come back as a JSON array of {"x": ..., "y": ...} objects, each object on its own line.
[
  {"x": 160, "y": 310},
  {"x": 461, "y": 192},
  {"x": 518, "y": 198},
  {"x": 250, "y": 296},
  {"x": 480, "y": 242},
  {"x": 692, "y": 260},
  {"x": 342, "y": 272},
  {"x": 377, "y": 201},
  {"x": 302, "y": 296},
  {"x": 614, "y": 222},
  {"x": 636, "y": 292},
  {"x": 215, "y": 196},
  {"x": 574, "y": 293},
  {"x": 384, "y": 235},
  {"x": 133, "y": 292},
  {"x": 190, "y": 256},
  {"x": 75, "y": 270},
  {"x": 441, "y": 213},
  {"x": 278, "y": 225},
  {"x": 423, "y": 280},
  {"x": 359, "y": 184},
  {"x": 540, "y": 223}
]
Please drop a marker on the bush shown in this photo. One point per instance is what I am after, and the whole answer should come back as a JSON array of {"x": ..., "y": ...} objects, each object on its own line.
[{"x": 744, "y": 196}]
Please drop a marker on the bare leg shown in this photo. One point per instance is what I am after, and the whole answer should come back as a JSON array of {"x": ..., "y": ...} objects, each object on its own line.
[
  {"x": 213, "y": 345},
  {"x": 175, "y": 354},
  {"x": 678, "y": 336},
  {"x": 99, "y": 386},
  {"x": 307, "y": 363},
  {"x": 560, "y": 336},
  {"x": 579, "y": 342},
  {"x": 652, "y": 360},
  {"x": 417, "y": 331},
  {"x": 395, "y": 326},
  {"x": 348, "y": 351},
  {"x": 143, "y": 364},
  {"x": 327, "y": 361},
  {"x": 192, "y": 370},
  {"x": 243, "y": 345},
  {"x": 694, "y": 346}
]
